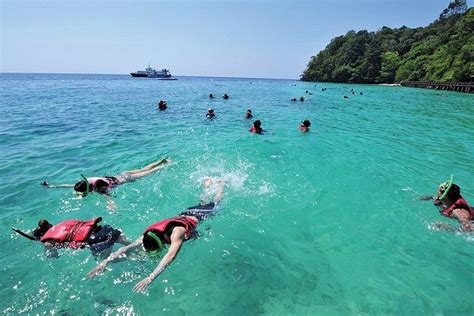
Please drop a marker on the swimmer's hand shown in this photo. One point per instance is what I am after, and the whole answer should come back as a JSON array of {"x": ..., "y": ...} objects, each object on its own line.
[
  {"x": 45, "y": 184},
  {"x": 97, "y": 270},
  {"x": 141, "y": 286}
]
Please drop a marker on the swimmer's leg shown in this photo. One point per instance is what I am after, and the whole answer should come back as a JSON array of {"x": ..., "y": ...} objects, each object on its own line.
[
  {"x": 220, "y": 192},
  {"x": 137, "y": 174},
  {"x": 123, "y": 240},
  {"x": 150, "y": 166}
]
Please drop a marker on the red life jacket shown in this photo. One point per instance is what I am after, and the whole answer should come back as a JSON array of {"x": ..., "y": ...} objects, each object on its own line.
[
  {"x": 460, "y": 203},
  {"x": 183, "y": 221},
  {"x": 71, "y": 231}
]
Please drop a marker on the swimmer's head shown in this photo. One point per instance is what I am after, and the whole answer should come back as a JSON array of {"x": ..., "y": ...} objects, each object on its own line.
[
  {"x": 449, "y": 189},
  {"x": 43, "y": 226},
  {"x": 152, "y": 242},
  {"x": 80, "y": 186},
  {"x": 306, "y": 123},
  {"x": 257, "y": 124},
  {"x": 210, "y": 110}
]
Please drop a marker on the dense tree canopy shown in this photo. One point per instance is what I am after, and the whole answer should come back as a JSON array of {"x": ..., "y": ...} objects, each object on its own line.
[{"x": 442, "y": 51}]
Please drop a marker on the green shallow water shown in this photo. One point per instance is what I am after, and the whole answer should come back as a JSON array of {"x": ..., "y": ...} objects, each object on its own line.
[{"x": 321, "y": 223}]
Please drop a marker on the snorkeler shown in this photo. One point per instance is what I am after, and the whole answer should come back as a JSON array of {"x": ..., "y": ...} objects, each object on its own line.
[
  {"x": 452, "y": 204},
  {"x": 171, "y": 231},
  {"x": 76, "y": 234},
  {"x": 257, "y": 127},
  {"x": 304, "y": 127},
  {"x": 210, "y": 113},
  {"x": 104, "y": 184},
  {"x": 248, "y": 114},
  {"x": 162, "y": 105}
]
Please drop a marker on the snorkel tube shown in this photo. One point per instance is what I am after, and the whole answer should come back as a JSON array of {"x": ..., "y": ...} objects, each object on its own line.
[
  {"x": 445, "y": 186},
  {"x": 84, "y": 194},
  {"x": 24, "y": 234},
  {"x": 158, "y": 241}
]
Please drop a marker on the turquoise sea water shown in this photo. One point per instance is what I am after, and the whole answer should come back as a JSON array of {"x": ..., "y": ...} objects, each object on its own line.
[{"x": 326, "y": 222}]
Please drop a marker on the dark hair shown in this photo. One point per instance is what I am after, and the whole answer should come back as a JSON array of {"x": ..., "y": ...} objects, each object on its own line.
[
  {"x": 149, "y": 243},
  {"x": 43, "y": 226},
  {"x": 257, "y": 123},
  {"x": 80, "y": 186},
  {"x": 307, "y": 123},
  {"x": 454, "y": 192}
]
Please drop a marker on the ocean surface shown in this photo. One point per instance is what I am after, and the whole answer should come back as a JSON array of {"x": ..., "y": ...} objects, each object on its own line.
[{"x": 326, "y": 222}]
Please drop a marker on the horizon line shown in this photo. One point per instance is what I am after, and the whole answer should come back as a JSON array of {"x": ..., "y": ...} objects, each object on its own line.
[{"x": 121, "y": 74}]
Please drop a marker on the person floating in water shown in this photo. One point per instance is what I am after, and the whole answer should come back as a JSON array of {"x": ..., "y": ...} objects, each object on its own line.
[
  {"x": 210, "y": 113},
  {"x": 171, "y": 231},
  {"x": 104, "y": 184},
  {"x": 257, "y": 127},
  {"x": 76, "y": 234},
  {"x": 304, "y": 127},
  {"x": 293, "y": 99},
  {"x": 211, "y": 96},
  {"x": 162, "y": 105},
  {"x": 248, "y": 114},
  {"x": 225, "y": 96},
  {"x": 452, "y": 205}
]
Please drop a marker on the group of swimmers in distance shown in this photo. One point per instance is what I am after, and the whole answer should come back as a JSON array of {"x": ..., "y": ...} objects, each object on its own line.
[
  {"x": 256, "y": 128},
  {"x": 174, "y": 231}
]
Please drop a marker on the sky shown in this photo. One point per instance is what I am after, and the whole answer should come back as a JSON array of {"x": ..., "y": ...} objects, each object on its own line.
[{"x": 228, "y": 38}]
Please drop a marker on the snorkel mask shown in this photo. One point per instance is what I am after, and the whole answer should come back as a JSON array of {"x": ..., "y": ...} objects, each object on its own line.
[
  {"x": 84, "y": 194},
  {"x": 158, "y": 241},
  {"x": 444, "y": 187}
]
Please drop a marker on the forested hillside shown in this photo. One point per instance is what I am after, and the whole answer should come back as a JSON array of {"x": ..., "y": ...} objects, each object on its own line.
[{"x": 442, "y": 51}]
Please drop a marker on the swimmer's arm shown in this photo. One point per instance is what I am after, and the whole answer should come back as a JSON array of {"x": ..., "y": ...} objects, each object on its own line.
[
  {"x": 51, "y": 251},
  {"x": 114, "y": 255},
  {"x": 56, "y": 186},
  {"x": 177, "y": 238},
  {"x": 111, "y": 206}
]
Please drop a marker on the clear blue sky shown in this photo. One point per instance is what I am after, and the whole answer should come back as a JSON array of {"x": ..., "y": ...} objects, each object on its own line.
[{"x": 265, "y": 39}]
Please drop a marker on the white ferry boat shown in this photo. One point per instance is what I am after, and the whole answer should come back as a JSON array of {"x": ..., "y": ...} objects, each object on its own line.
[{"x": 152, "y": 73}]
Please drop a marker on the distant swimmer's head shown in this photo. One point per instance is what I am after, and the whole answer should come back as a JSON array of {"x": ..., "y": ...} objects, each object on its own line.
[
  {"x": 257, "y": 124},
  {"x": 152, "y": 242},
  {"x": 43, "y": 226},
  {"x": 248, "y": 114},
  {"x": 306, "y": 123},
  {"x": 225, "y": 96},
  {"x": 211, "y": 96},
  {"x": 449, "y": 189}
]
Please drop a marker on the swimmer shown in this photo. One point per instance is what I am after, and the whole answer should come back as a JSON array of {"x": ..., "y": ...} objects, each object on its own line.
[
  {"x": 248, "y": 114},
  {"x": 452, "y": 204},
  {"x": 346, "y": 97},
  {"x": 162, "y": 105},
  {"x": 210, "y": 113},
  {"x": 225, "y": 96},
  {"x": 171, "y": 231},
  {"x": 211, "y": 96},
  {"x": 257, "y": 127},
  {"x": 104, "y": 184},
  {"x": 76, "y": 234},
  {"x": 304, "y": 127},
  {"x": 302, "y": 99},
  {"x": 293, "y": 99}
]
